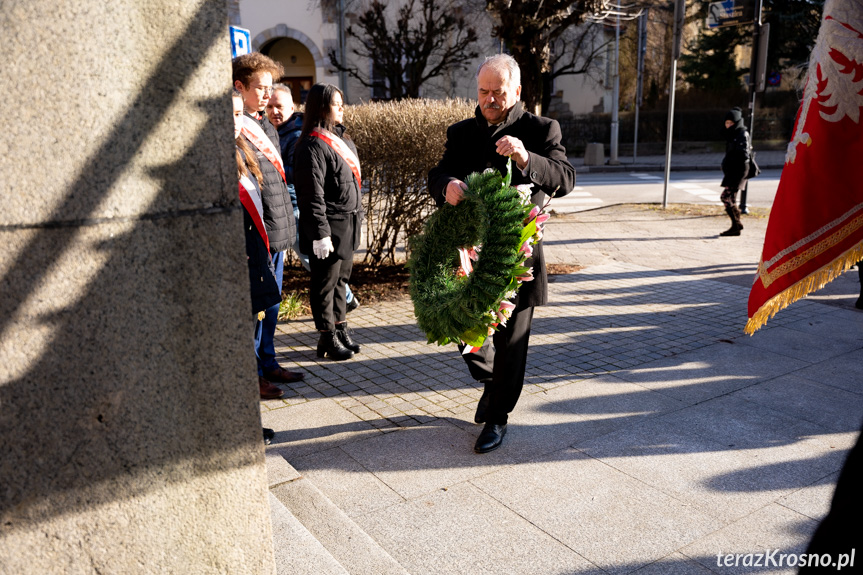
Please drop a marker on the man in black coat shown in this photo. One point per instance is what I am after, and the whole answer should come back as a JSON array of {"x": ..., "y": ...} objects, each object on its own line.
[{"x": 500, "y": 129}]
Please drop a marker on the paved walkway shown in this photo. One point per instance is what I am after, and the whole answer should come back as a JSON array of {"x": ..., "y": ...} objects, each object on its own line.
[{"x": 652, "y": 433}]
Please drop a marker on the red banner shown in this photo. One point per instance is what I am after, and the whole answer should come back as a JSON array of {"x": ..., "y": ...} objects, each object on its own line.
[{"x": 815, "y": 231}]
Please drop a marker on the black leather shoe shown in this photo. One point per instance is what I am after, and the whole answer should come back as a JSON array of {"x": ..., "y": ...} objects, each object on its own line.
[
  {"x": 269, "y": 434},
  {"x": 490, "y": 438},
  {"x": 482, "y": 406}
]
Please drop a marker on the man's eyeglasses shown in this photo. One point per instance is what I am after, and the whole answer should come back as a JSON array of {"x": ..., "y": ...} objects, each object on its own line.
[{"x": 265, "y": 89}]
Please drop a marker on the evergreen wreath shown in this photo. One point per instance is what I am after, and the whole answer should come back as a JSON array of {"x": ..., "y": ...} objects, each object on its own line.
[{"x": 495, "y": 225}]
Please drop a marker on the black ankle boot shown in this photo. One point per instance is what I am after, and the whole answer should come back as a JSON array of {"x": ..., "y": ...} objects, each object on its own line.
[
  {"x": 345, "y": 337},
  {"x": 329, "y": 344}
]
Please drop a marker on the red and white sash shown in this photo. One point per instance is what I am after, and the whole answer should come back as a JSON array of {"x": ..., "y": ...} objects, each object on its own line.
[
  {"x": 253, "y": 131},
  {"x": 250, "y": 197},
  {"x": 342, "y": 150}
]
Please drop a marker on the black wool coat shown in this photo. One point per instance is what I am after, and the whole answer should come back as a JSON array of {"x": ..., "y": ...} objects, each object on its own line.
[
  {"x": 470, "y": 147},
  {"x": 278, "y": 210}
]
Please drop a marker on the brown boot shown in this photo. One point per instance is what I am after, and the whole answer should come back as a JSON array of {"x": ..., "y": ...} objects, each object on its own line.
[
  {"x": 733, "y": 213},
  {"x": 268, "y": 390}
]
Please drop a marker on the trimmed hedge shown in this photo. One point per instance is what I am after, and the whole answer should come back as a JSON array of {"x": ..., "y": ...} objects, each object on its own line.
[{"x": 398, "y": 143}]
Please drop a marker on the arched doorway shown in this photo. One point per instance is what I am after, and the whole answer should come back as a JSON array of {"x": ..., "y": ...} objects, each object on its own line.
[{"x": 298, "y": 62}]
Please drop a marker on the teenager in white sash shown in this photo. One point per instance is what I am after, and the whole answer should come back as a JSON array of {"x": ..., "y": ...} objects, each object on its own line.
[
  {"x": 253, "y": 76},
  {"x": 328, "y": 179},
  {"x": 264, "y": 289}
]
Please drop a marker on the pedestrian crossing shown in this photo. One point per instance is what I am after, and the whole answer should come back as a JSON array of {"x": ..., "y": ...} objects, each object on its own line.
[
  {"x": 576, "y": 200},
  {"x": 614, "y": 189},
  {"x": 643, "y": 176},
  {"x": 708, "y": 195}
]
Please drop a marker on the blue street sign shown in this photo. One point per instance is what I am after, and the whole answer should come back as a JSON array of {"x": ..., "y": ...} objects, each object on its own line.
[
  {"x": 241, "y": 41},
  {"x": 774, "y": 79},
  {"x": 730, "y": 13}
]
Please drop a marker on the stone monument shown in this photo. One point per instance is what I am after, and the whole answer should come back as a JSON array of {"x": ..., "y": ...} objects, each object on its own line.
[{"x": 130, "y": 433}]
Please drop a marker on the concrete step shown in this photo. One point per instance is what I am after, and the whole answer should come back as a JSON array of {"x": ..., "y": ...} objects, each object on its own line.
[
  {"x": 345, "y": 541},
  {"x": 297, "y": 551}
]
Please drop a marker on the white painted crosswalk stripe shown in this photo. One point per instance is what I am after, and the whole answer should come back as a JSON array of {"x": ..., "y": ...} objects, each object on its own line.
[
  {"x": 574, "y": 201},
  {"x": 699, "y": 191}
]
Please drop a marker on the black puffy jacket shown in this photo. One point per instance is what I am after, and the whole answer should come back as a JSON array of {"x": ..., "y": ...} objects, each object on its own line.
[
  {"x": 328, "y": 196},
  {"x": 735, "y": 164},
  {"x": 278, "y": 212}
]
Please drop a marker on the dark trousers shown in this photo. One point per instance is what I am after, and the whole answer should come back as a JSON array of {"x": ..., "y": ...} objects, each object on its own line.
[
  {"x": 728, "y": 197},
  {"x": 327, "y": 292},
  {"x": 504, "y": 364},
  {"x": 265, "y": 330}
]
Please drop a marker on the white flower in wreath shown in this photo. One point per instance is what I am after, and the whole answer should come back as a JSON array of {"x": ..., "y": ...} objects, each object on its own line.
[{"x": 524, "y": 192}]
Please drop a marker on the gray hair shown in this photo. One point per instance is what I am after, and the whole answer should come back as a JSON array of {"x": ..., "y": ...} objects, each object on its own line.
[
  {"x": 503, "y": 63},
  {"x": 282, "y": 88}
]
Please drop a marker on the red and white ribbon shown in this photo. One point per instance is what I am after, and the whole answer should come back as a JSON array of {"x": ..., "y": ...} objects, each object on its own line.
[
  {"x": 342, "y": 150},
  {"x": 253, "y": 132}
]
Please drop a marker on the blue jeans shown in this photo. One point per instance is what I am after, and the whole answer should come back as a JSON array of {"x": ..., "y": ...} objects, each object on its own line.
[{"x": 265, "y": 330}]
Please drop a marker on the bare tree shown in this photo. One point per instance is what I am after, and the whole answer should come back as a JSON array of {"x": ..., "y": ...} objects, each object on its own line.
[
  {"x": 529, "y": 27},
  {"x": 424, "y": 42},
  {"x": 574, "y": 52}
]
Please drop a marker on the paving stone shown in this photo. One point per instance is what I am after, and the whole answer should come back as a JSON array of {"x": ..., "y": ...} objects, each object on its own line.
[
  {"x": 825, "y": 405},
  {"x": 431, "y": 457},
  {"x": 616, "y": 522},
  {"x": 345, "y": 482},
  {"x": 812, "y": 500},
  {"x": 725, "y": 482},
  {"x": 771, "y": 528},
  {"x": 299, "y": 428},
  {"x": 462, "y": 530}
]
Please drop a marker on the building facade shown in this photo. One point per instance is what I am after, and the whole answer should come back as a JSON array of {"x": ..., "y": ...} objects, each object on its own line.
[{"x": 300, "y": 34}]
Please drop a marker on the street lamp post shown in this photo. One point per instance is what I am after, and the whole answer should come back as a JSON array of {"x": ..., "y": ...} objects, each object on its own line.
[
  {"x": 679, "y": 15},
  {"x": 615, "y": 96},
  {"x": 602, "y": 11}
]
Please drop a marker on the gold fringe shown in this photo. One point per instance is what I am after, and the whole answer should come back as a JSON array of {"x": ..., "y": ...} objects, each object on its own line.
[{"x": 813, "y": 282}]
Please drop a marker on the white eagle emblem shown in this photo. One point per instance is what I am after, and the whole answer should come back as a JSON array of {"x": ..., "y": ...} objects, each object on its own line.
[{"x": 835, "y": 70}]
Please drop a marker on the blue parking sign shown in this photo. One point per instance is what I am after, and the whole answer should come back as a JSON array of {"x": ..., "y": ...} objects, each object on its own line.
[{"x": 241, "y": 41}]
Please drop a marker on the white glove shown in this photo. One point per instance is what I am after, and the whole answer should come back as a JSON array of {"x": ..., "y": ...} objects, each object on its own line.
[{"x": 323, "y": 248}]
